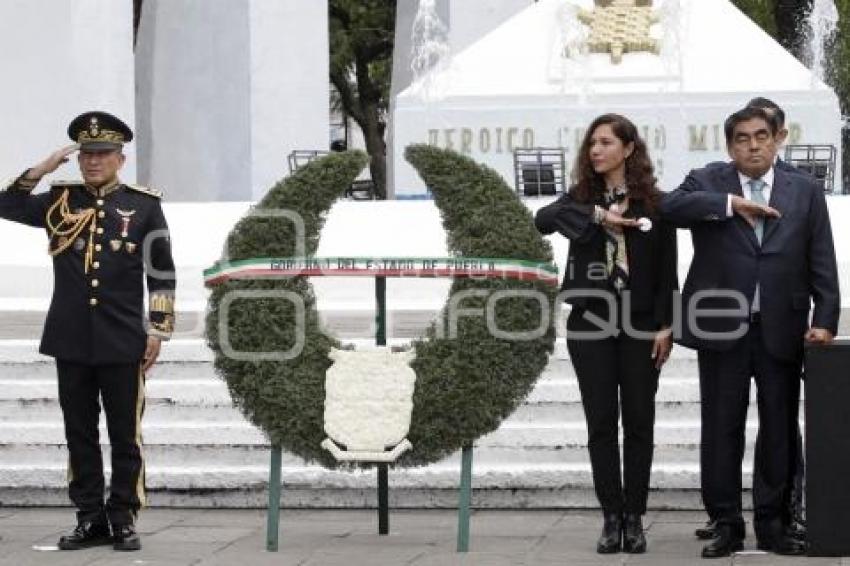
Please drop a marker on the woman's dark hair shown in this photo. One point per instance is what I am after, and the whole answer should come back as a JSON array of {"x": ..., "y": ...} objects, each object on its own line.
[{"x": 588, "y": 185}]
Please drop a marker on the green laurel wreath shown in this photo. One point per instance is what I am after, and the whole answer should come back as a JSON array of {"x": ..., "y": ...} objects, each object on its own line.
[{"x": 466, "y": 384}]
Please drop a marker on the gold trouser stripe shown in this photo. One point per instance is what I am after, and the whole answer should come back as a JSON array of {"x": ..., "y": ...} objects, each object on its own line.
[{"x": 140, "y": 407}]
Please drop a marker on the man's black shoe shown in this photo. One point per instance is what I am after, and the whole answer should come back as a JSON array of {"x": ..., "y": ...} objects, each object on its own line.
[
  {"x": 708, "y": 532},
  {"x": 124, "y": 537},
  {"x": 797, "y": 530},
  {"x": 785, "y": 545},
  {"x": 724, "y": 543},
  {"x": 611, "y": 539},
  {"x": 634, "y": 541},
  {"x": 85, "y": 535}
]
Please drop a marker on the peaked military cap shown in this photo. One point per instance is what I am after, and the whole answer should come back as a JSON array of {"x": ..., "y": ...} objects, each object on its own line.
[{"x": 99, "y": 130}]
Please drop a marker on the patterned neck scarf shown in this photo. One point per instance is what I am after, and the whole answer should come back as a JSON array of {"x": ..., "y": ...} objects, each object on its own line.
[{"x": 616, "y": 259}]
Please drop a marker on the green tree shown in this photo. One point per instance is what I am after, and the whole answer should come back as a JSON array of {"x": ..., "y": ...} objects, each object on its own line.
[
  {"x": 789, "y": 15},
  {"x": 361, "y": 40}
]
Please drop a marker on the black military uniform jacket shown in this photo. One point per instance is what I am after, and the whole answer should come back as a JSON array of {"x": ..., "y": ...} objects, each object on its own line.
[{"x": 103, "y": 242}]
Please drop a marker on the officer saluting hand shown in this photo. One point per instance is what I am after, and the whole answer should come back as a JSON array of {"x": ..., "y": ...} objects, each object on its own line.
[{"x": 106, "y": 238}]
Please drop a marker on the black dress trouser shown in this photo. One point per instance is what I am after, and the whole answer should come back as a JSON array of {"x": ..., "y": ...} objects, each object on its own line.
[
  {"x": 617, "y": 373},
  {"x": 82, "y": 387},
  {"x": 725, "y": 393},
  {"x": 798, "y": 471}
]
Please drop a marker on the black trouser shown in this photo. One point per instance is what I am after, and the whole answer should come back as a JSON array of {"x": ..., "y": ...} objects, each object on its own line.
[
  {"x": 725, "y": 392},
  {"x": 121, "y": 389},
  {"x": 617, "y": 372},
  {"x": 798, "y": 473}
]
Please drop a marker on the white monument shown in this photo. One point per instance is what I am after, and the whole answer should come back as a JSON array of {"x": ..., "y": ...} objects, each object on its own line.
[
  {"x": 59, "y": 59},
  {"x": 470, "y": 21},
  {"x": 532, "y": 82},
  {"x": 226, "y": 91},
  {"x": 465, "y": 22}
]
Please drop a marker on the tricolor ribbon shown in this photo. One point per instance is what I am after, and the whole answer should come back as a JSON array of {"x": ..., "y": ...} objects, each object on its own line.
[{"x": 483, "y": 268}]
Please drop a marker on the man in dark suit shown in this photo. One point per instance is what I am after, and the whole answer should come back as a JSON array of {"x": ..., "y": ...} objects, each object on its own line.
[
  {"x": 104, "y": 237},
  {"x": 797, "y": 526},
  {"x": 763, "y": 251}
]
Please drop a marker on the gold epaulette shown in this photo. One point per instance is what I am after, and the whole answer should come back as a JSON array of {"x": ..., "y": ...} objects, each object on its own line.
[{"x": 146, "y": 190}]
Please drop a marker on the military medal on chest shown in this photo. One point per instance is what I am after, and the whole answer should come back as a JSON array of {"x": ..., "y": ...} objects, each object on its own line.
[{"x": 126, "y": 216}]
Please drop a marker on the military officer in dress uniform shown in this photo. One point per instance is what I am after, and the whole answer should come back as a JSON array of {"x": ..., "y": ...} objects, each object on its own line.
[{"x": 104, "y": 237}]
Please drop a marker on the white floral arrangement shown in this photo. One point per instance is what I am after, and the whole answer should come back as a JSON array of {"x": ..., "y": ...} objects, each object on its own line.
[{"x": 368, "y": 404}]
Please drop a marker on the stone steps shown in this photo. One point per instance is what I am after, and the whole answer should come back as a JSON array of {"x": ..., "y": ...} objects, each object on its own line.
[
  {"x": 201, "y": 451},
  {"x": 175, "y": 455},
  {"x": 226, "y": 433},
  {"x": 437, "y": 476},
  {"x": 214, "y": 392},
  {"x": 543, "y": 412}
]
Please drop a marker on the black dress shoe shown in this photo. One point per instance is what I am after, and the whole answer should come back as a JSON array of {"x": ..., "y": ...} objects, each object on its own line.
[
  {"x": 611, "y": 539},
  {"x": 724, "y": 544},
  {"x": 784, "y": 544},
  {"x": 634, "y": 541},
  {"x": 85, "y": 535},
  {"x": 708, "y": 532},
  {"x": 797, "y": 530},
  {"x": 124, "y": 537}
]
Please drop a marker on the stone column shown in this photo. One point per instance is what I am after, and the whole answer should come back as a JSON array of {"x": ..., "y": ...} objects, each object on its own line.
[
  {"x": 226, "y": 91},
  {"x": 61, "y": 58}
]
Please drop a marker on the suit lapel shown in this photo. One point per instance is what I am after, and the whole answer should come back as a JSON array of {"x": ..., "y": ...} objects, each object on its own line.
[
  {"x": 780, "y": 198},
  {"x": 731, "y": 182}
]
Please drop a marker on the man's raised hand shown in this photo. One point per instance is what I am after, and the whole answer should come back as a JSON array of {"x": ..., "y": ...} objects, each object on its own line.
[
  {"x": 750, "y": 210},
  {"x": 52, "y": 162}
]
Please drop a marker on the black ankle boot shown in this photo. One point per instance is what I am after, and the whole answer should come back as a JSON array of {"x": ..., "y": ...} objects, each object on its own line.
[
  {"x": 124, "y": 537},
  {"x": 85, "y": 535},
  {"x": 634, "y": 541},
  {"x": 611, "y": 539}
]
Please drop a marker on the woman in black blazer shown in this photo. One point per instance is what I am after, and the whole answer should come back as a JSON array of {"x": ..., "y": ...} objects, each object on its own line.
[{"x": 621, "y": 268}]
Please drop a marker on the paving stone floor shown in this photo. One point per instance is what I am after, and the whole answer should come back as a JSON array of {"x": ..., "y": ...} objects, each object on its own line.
[{"x": 183, "y": 537}]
